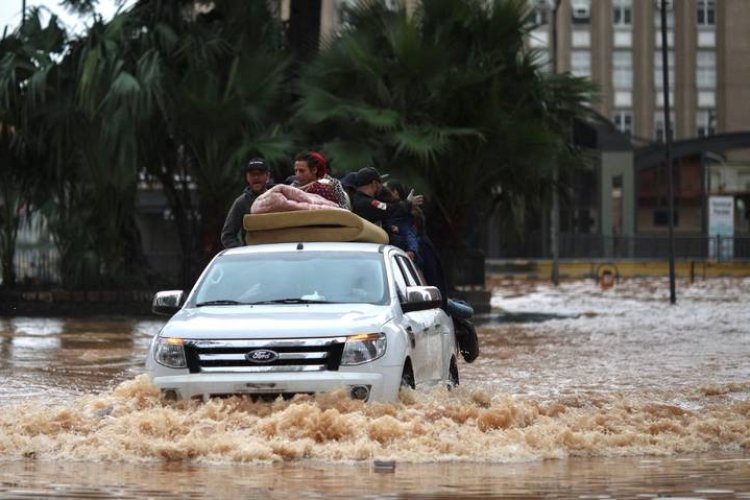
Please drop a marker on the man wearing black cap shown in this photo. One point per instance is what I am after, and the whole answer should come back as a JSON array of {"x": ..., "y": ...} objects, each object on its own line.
[
  {"x": 256, "y": 174},
  {"x": 366, "y": 205}
]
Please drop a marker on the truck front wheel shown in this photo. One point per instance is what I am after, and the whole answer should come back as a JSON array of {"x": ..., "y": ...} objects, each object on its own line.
[{"x": 407, "y": 376}]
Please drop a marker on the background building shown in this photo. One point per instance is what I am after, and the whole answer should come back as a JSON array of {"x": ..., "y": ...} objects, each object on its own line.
[{"x": 617, "y": 43}]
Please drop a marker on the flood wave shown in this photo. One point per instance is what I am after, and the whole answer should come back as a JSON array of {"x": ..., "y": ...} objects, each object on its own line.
[{"x": 132, "y": 423}]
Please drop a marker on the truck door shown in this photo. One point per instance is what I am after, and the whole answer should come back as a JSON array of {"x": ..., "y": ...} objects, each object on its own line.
[
  {"x": 416, "y": 323},
  {"x": 434, "y": 327}
]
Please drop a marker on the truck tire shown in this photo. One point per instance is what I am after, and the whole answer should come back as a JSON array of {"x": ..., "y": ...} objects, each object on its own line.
[{"x": 407, "y": 376}]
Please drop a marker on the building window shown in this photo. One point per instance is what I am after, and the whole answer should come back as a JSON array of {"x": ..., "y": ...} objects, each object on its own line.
[
  {"x": 661, "y": 217},
  {"x": 670, "y": 38},
  {"x": 623, "y": 120},
  {"x": 344, "y": 9},
  {"x": 707, "y": 38},
  {"x": 580, "y": 63},
  {"x": 543, "y": 60},
  {"x": 660, "y": 98},
  {"x": 657, "y": 26},
  {"x": 657, "y": 19},
  {"x": 539, "y": 38},
  {"x": 580, "y": 11},
  {"x": 623, "y": 99},
  {"x": 623, "y": 38},
  {"x": 658, "y": 72},
  {"x": 706, "y": 12},
  {"x": 706, "y": 99},
  {"x": 622, "y": 69},
  {"x": 539, "y": 13},
  {"x": 581, "y": 38},
  {"x": 622, "y": 12},
  {"x": 705, "y": 69},
  {"x": 705, "y": 122},
  {"x": 659, "y": 125}
]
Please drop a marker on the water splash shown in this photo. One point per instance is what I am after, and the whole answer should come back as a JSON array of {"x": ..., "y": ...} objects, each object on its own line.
[{"x": 132, "y": 423}]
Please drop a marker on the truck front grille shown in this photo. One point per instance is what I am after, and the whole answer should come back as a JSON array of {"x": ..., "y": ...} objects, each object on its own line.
[{"x": 287, "y": 355}]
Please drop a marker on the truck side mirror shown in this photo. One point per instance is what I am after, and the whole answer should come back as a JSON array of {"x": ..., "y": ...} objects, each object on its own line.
[
  {"x": 168, "y": 302},
  {"x": 421, "y": 298}
]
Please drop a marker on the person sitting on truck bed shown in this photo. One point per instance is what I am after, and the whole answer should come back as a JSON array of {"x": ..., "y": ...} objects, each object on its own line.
[
  {"x": 403, "y": 227},
  {"x": 311, "y": 176},
  {"x": 366, "y": 205},
  {"x": 256, "y": 174},
  {"x": 349, "y": 183}
]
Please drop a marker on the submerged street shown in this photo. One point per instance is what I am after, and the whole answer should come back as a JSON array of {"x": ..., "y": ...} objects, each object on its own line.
[{"x": 578, "y": 391}]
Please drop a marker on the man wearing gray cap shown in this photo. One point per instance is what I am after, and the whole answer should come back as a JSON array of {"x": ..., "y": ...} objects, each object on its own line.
[{"x": 256, "y": 175}]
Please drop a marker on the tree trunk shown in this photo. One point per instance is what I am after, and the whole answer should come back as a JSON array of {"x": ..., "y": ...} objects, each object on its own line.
[
  {"x": 181, "y": 205},
  {"x": 8, "y": 253},
  {"x": 133, "y": 252},
  {"x": 9, "y": 226},
  {"x": 213, "y": 213}
]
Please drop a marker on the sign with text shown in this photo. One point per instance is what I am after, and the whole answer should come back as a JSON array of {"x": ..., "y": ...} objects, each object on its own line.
[{"x": 721, "y": 227}]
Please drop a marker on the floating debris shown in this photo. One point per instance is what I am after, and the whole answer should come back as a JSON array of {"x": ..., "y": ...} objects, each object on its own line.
[{"x": 384, "y": 466}]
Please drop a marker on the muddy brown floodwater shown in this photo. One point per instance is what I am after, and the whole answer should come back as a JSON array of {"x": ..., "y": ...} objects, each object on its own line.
[{"x": 578, "y": 393}]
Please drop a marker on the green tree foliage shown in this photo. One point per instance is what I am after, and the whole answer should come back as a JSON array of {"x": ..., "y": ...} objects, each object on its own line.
[
  {"x": 174, "y": 91},
  {"x": 190, "y": 94},
  {"x": 26, "y": 59},
  {"x": 448, "y": 97}
]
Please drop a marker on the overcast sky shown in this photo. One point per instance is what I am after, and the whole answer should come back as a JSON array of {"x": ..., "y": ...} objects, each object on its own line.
[{"x": 10, "y": 12}]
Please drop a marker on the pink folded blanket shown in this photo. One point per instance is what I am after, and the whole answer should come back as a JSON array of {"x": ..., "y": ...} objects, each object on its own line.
[{"x": 283, "y": 198}]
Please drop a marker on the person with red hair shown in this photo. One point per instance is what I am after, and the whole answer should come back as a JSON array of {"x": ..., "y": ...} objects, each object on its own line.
[{"x": 313, "y": 175}]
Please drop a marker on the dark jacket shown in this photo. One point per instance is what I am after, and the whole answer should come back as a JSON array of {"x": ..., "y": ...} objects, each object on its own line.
[
  {"x": 233, "y": 234},
  {"x": 377, "y": 211},
  {"x": 406, "y": 232}
]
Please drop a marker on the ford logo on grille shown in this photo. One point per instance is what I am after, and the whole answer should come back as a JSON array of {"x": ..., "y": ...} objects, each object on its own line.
[{"x": 262, "y": 356}]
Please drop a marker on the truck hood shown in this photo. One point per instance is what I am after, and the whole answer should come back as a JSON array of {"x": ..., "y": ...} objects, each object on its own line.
[{"x": 276, "y": 321}]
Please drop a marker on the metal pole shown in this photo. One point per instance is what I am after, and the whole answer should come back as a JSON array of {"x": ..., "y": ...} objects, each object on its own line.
[
  {"x": 668, "y": 130},
  {"x": 555, "y": 216},
  {"x": 23, "y": 12}
]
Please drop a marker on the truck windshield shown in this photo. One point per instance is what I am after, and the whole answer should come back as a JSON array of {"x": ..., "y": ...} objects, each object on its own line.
[{"x": 294, "y": 278}]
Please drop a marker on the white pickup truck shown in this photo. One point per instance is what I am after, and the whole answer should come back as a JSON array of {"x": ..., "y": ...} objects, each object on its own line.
[{"x": 281, "y": 319}]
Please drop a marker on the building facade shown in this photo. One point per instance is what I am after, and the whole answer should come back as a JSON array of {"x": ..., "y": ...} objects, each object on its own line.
[{"x": 617, "y": 44}]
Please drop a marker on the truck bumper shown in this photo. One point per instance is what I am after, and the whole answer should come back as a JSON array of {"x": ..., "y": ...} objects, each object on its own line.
[{"x": 382, "y": 386}]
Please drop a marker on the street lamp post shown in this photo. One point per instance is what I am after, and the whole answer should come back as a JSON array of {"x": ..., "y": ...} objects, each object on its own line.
[
  {"x": 555, "y": 215},
  {"x": 668, "y": 131}
]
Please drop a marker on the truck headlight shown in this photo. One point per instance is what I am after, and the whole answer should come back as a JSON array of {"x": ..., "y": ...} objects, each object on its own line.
[
  {"x": 170, "y": 352},
  {"x": 363, "y": 348}
]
